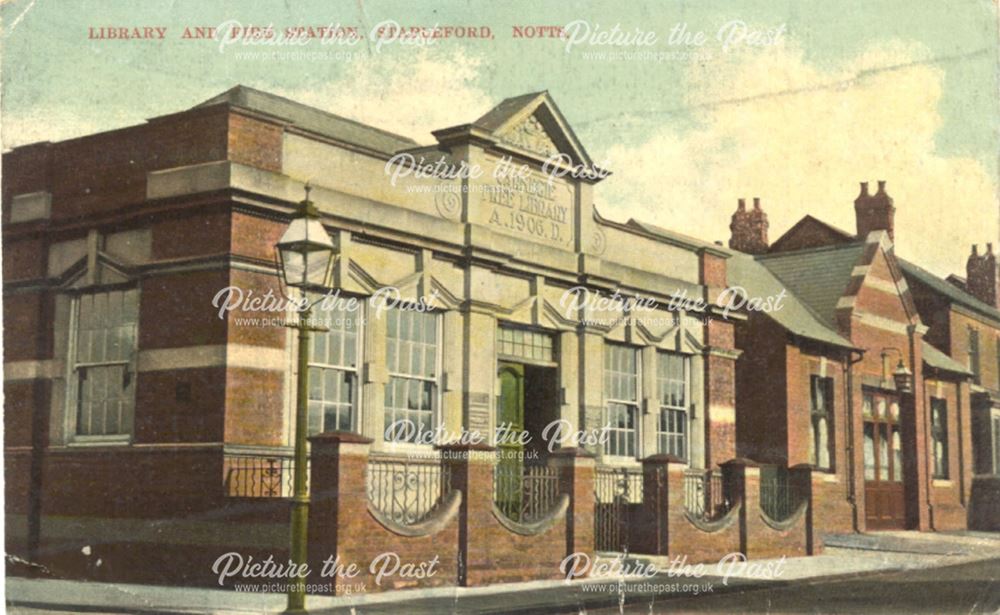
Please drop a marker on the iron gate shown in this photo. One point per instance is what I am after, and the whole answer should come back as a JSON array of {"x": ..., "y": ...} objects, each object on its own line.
[{"x": 617, "y": 491}]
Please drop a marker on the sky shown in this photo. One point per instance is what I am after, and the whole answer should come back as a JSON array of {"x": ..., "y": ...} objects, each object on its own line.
[{"x": 791, "y": 101}]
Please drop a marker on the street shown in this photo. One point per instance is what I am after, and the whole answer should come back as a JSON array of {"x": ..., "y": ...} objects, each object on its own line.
[{"x": 964, "y": 588}]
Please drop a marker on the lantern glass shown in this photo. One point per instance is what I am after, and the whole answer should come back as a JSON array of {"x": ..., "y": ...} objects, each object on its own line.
[
  {"x": 903, "y": 379},
  {"x": 306, "y": 253}
]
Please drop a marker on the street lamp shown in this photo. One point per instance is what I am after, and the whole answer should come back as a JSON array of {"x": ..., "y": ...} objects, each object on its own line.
[
  {"x": 901, "y": 376},
  {"x": 307, "y": 256}
]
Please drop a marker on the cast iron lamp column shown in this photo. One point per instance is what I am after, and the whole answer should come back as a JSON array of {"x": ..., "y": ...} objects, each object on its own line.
[{"x": 307, "y": 255}]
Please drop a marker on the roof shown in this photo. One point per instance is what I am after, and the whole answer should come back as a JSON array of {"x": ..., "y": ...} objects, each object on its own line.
[
  {"x": 950, "y": 291},
  {"x": 675, "y": 238},
  {"x": 312, "y": 119},
  {"x": 817, "y": 276},
  {"x": 795, "y": 315},
  {"x": 506, "y": 110},
  {"x": 939, "y": 360},
  {"x": 803, "y": 234}
]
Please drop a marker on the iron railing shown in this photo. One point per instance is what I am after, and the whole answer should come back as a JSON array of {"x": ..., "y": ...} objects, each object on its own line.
[
  {"x": 259, "y": 476},
  {"x": 706, "y": 496},
  {"x": 617, "y": 492},
  {"x": 525, "y": 493},
  {"x": 780, "y": 497},
  {"x": 406, "y": 491}
]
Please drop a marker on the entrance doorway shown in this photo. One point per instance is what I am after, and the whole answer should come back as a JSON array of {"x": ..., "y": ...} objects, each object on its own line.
[
  {"x": 527, "y": 403},
  {"x": 885, "y": 504}
]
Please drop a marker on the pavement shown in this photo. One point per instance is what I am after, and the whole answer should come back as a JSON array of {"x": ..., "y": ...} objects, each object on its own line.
[{"x": 847, "y": 558}]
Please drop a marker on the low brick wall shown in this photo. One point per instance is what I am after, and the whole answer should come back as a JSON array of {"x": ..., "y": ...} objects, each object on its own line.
[{"x": 984, "y": 504}]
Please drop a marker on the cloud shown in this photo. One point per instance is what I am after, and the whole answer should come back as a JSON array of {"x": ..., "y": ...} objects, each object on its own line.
[
  {"x": 406, "y": 93},
  {"x": 801, "y": 136}
]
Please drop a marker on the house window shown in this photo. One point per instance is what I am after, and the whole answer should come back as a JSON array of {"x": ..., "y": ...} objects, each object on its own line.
[
  {"x": 333, "y": 368},
  {"x": 974, "y": 355},
  {"x": 621, "y": 396},
  {"x": 821, "y": 423},
  {"x": 524, "y": 344},
  {"x": 411, "y": 394},
  {"x": 939, "y": 436},
  {"x": 671, "y": 380},
  {"x": 103, "y": 375}
]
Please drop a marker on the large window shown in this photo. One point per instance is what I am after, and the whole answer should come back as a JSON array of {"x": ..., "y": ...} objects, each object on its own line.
[
  {"x": 412, "y": 359},
  {"x": 104, "y": 349},
  {"x": 974, "y": 355},
  {"x": 333, "y": 367},
  {"x": 621, "y": 396},
  {"x": 821, "y": 423},
  {"x": 939, "y": 436},
  {"x": 672, "y": 382}
]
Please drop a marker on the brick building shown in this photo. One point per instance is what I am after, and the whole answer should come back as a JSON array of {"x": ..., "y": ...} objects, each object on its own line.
[
  {"x": 149, "y": 427},
  {"x": 884, "y": 457},
  {"x": 476, "y": 292}
]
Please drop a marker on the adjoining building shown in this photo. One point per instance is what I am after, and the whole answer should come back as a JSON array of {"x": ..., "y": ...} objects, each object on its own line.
[{"x": 822, "y": 385}]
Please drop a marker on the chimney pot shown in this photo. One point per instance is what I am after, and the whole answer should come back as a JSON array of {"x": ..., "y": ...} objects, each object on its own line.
[
  {"x": 864, "y": 188},
  {"x": 989, "y": 248},
  {"x": 741, "y": 204},
  {"x": 756, "y": 202},
  {"x": 881, "y": 186},
  {"x": 975, "y": 250}
]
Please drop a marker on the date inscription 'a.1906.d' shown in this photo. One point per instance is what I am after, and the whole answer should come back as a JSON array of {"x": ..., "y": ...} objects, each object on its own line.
[{"x": 528, "y": 205}]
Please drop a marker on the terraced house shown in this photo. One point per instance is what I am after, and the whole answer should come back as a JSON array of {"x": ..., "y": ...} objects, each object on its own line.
[{"x": 499, "y": 377}]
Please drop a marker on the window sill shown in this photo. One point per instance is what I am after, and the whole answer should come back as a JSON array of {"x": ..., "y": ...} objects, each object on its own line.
[
  {"x": 619, "y": 461},
  {"x": 96, "y": 441},
  {"x": 405, "y": 448},
  {"x": 943, "y": 482}
]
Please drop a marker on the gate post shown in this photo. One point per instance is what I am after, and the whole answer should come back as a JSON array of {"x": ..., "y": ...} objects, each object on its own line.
[
  {"x": 801, "y": 479},
  {"x": 741, "y": 477},
  {"x": 653, "y": 523},
  {"x": 576, "y": 479}
]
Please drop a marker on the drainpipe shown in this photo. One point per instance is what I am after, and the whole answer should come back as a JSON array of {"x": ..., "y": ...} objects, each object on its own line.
[{"x": 849, "y": 426}]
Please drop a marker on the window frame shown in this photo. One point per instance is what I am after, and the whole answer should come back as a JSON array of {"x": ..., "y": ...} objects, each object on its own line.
[
  {"x": 73, "y": 381},
  {"x": 664, "y": 437},
  {"x": 437, "y": 393},
  {"x": 975, "y": 355},
  {"x": 356, "y": 371},
  {"x": 634, "y": 406},
  {"x": 939, "y": 433},
  {"x": 829, "y": 399}
]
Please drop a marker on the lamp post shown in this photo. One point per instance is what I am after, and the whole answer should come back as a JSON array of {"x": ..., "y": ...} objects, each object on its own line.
[
  {"x": 306, "y": 254},
  {"x": 901, "y": 376}
]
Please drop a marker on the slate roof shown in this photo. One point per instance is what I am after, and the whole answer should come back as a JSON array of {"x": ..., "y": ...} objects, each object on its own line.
[
  {"x": 817, "y": 276},
  {"x": 796, "y": 316},
  {"x": 313, "y": 119},
  {"x": 915, "y": 273},
  {"x": 935, "y": 358}
]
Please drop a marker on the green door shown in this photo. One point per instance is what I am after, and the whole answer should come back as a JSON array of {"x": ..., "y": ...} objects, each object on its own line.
[{"x": 510, "y": 413}]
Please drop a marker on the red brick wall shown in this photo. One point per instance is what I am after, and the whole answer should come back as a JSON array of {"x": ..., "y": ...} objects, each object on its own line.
[
  {"x": 761, "y": 396},
  {"x": 255, "y": 142},
  {"x": 24, "y": 258},
  {"x": 180, "y": 405},
  {"x": 176, "y": 310}
]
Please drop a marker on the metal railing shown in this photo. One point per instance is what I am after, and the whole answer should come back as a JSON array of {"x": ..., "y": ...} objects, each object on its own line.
[
  {"x": 705, "y": 495},
  {"x": 780, "y": 497},
  {"x": 616, "y": 492},
  {"x": 259, "y": 475},
  {"x": 406, "y": 491},
  {"x": 525, "y": 493}
]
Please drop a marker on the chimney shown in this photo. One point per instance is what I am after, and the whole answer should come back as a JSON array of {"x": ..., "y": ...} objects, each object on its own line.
[
  {"x": 981, "y": 276},
  {"x": 749, "y": 228},
  {"x": 874, "y": 212}
]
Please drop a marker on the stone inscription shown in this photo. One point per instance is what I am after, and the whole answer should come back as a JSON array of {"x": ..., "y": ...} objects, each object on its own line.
[{"x": 529, "y": 206}]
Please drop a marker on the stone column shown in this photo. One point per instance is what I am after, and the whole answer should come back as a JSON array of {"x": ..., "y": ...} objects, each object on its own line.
[
  {"x": 592, "y": 383},
  {"x": 569, "y": 378},
  {"x": 576, "y": 479},
  {"x": 338, "y": 497},
  {"x": 915, "y": 426},
  {"x": 649, "y": 405},
  {"x": 480, "y": 375},
  {"x": 374, "y": 376}
]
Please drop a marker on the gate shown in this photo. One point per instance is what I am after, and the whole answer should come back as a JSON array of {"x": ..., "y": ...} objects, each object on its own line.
[{"x": 617, "y": 493}]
